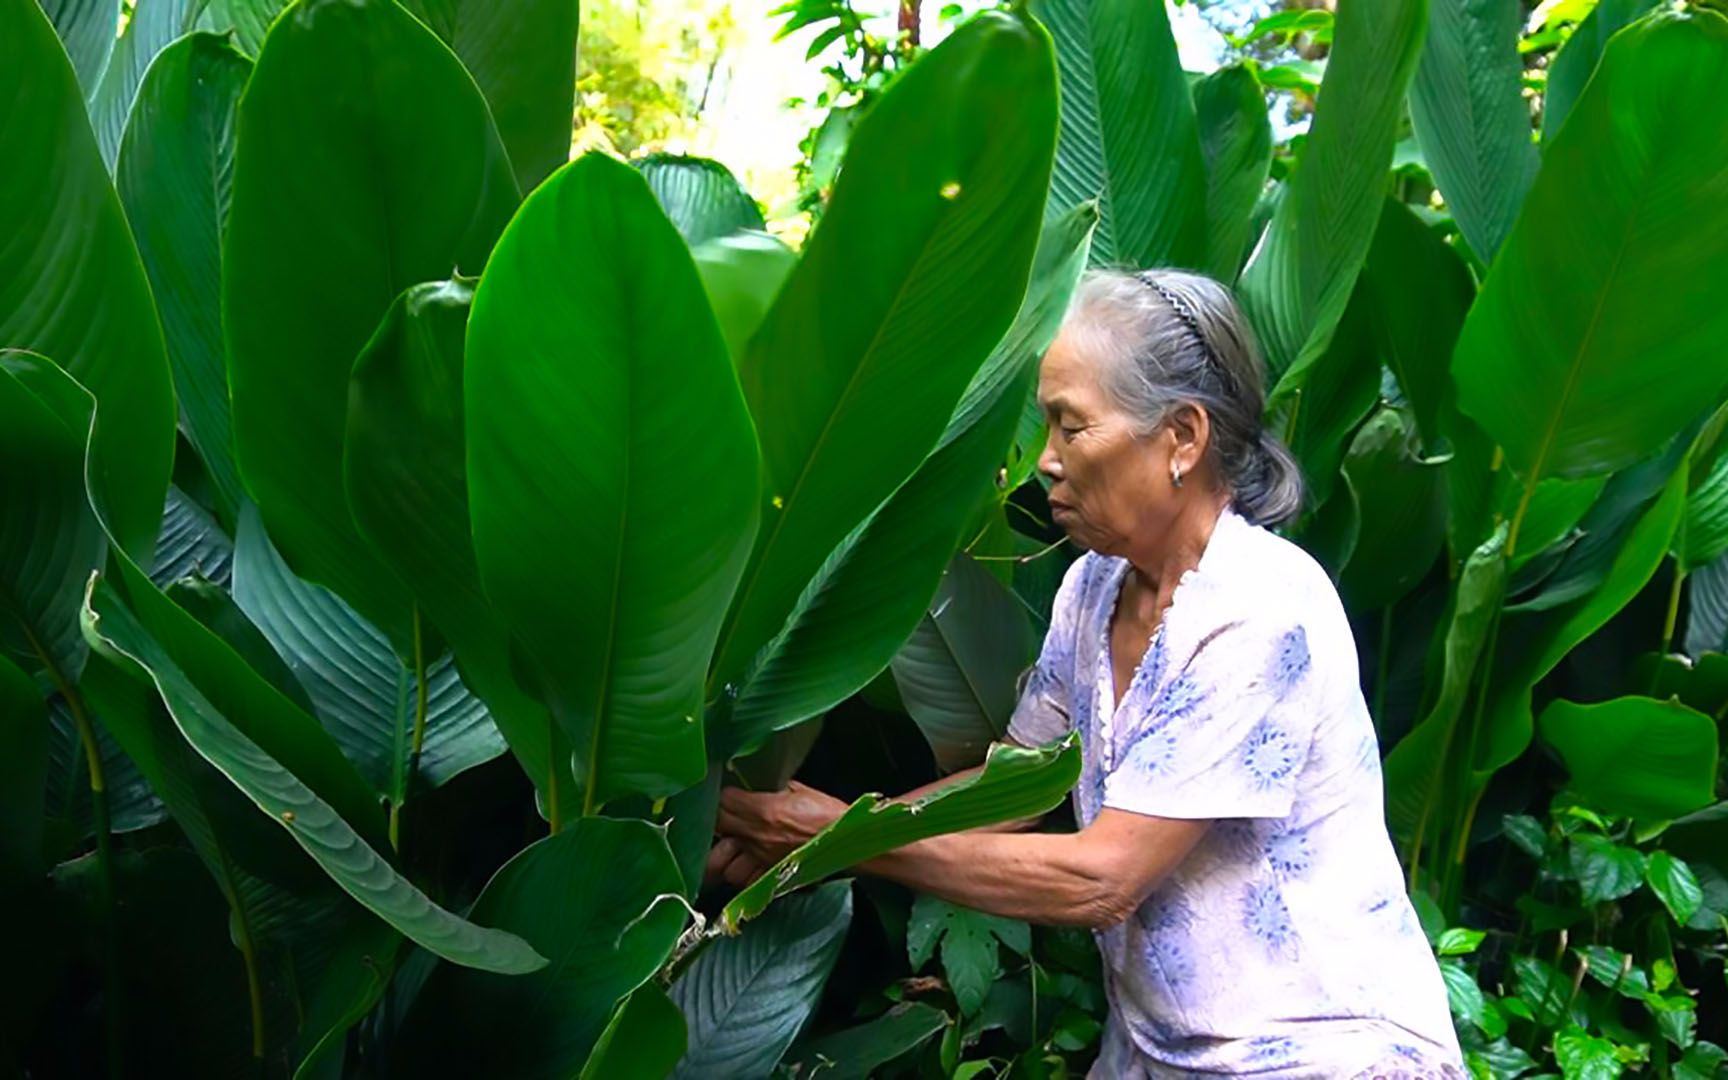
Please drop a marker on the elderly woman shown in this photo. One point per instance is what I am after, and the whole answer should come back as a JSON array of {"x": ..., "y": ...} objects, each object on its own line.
[{"x": 1232, "y": 855}]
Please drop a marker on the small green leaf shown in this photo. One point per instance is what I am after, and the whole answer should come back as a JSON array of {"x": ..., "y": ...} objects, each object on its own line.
[
  {"x": 969, "y": 946},
  {"x": 1526, "y": 832},
  {"x": 1675, "y": 885},
  {"x": 1458, "y": 941},
  {"x": 1603, "y": 869},
  {"x": 1583, "y": 1056},
  {"x": 1464, "y": 995}
]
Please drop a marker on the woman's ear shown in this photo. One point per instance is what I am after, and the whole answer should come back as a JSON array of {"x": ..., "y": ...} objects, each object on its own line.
[{"x": 1190, "y": 432}]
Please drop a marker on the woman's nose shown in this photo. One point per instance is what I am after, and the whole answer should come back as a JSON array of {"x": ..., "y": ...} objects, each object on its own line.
[{"x": 1048, "y": 462}]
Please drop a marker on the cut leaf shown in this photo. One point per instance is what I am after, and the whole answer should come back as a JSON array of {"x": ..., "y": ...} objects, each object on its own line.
[
  {"x": 522, "y": 53},
  {"x": 744, "y": 998},
  {"x": 1128, "y": 135},
  {"x": 603, "y": 934},
  {"x": 1635, "y": 756},
  {"x": 1558, "y": 360},
  {"x": 72, "y": 287},
  {"x": 701, "y": 196},
  {"x": 1015, "y": 782},
  {"x": 1467, "y": 106},
  {"x": 173, "y": 177},
  {"x": 914, "y": 273},
  {"x": 596, "y": 383},
  {"x": 352, "y": 181},
  {"x": 1300, "y": 277}
]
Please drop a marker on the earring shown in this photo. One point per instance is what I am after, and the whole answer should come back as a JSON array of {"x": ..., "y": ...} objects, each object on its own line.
[{"x": 1175, "y": 474}]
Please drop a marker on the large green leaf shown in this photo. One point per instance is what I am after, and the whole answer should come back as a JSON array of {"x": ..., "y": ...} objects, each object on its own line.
[
  {"x": 50, "y": 542},
  {"x": 1417, "y": 794},
  {"x": 1128, "y": 133},
  {"x": 1538, "y": 641},
  {"x": 745, "y": 997},
  {"x": 957, "y": 672},
  {"x": 1707, "y": 615},
  {"x": 407, "y": 484},
  {"x": 1401, "y": 512},
  {"x": 522, "y": 53},
  {"x": 645, "y": 1038},
  {"x": 352, "y": 181},
  {"x": 1703, "y": 534},
  {"x": 173, "y": 179},
  {"x": 873, "y": 590},
  {"x": 1414, "y": 329},
  {"x": 154, "y": 25},
  {"x": 612, "y": 474},
  {"x": 742, "y": 272},
  {"x": 71, "y": 284},
  {"x": 856, "y": 1053},
  {"x": 1635, "y": 756},
  {"x": 1557, "y": 361},
  {"x": 580, "y": 898},
  {"x": 1236, "y": 144},
  {"x": 1016, "y": 782},
  {"x": 1326, "y": 396},
  {"x": 1572, "y": 67},
  {"x": 912, "y": 276},
  {"x": 701, "y": 196},
  {"x": 311, "y": 821},
  {"x": 192, "y": 544},
  {"x": 23, "y": 776},
  {"x": 1300, "y": 277},
  {"x": 366, "y": 698},
  {"x": 315, "y": 950},
  {"x": 1467, "y": 106},
  {"x": 87, "y": 30}
]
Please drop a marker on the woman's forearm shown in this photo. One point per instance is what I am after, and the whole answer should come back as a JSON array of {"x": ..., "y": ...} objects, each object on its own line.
[{"x": 1043, "y": 878}]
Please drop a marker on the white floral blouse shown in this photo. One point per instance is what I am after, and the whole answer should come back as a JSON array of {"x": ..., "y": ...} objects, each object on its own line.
[{"x": 1284, "y": 945}]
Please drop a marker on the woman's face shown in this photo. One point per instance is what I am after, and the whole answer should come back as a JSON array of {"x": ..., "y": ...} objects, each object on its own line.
[{"x": 1107, "y": 486}]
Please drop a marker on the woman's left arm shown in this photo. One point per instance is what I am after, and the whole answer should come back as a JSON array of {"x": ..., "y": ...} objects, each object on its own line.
[{"x": 1094, "y": 878}]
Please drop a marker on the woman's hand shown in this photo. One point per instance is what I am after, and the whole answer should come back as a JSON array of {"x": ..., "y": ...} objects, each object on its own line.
[{"x": 766, "y": 826}]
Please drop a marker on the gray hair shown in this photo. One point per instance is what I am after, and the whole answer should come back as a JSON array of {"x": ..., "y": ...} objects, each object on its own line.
[{"x": 1165, "y": 338}]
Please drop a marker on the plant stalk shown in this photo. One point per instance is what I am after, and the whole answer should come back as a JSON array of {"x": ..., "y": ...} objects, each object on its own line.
[
  {"x": 554, "y": 816},
  {"x": 1383, "y": 664},
  {"x": 1673, "y": 616},
  {"x": 416, "y": 740}
]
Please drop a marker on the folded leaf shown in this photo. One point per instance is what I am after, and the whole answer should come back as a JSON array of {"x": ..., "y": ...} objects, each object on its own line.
[{"x": 1015, "y": 782}]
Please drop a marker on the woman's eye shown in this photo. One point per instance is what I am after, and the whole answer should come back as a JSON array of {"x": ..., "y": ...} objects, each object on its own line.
[{"x": 1069, "y": 432}]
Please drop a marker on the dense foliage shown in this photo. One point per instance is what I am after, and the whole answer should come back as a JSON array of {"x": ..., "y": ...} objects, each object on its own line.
[{"x": 405, "y": 533}]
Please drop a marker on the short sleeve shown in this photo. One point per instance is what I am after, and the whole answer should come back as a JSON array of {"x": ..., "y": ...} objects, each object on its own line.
[
  {"x": 1225, "y": 737},
  {"x": 1045, "y": 709}
]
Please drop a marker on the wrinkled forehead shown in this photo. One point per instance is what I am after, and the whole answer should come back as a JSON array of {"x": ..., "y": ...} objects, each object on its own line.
[{"x": 1068, "y": 373}]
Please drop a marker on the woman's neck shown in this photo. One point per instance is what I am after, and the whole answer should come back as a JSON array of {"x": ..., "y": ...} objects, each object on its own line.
[{"x": 1157, "y": 568}]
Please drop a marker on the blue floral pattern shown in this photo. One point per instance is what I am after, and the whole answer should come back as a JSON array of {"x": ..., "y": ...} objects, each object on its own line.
[{"x": 1283, "y": 946}]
